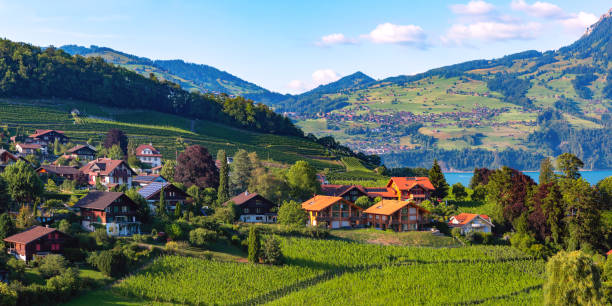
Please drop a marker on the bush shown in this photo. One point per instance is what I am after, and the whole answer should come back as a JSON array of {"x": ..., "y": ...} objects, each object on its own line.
[
  {"x": 271, "y": 251},
  {"x": 111, "y": 262},
  {"x": 64, "y": 285},
  {"x": 7, "y": 295},
  {"x": 75, "y": 254},
  {"x": 479, "y": 193},
  {"x": 202, "y": 236},
  {"x": 456, "y": 232},
  {"x": 291, "y": 213},
  {"x": 176, "y": 245},
  {"x": 51, "y": 265}
]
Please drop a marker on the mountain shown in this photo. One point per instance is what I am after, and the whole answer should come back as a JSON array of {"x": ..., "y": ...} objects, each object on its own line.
[
  {"x": 190, "y": 76},
  {"x": 520, "y": 107}
]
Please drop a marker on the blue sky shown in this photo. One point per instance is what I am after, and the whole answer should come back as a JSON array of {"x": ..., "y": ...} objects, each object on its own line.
[{"x": 292, "y": 46}]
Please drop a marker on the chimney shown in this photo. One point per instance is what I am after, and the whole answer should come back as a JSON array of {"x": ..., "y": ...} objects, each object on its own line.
[
  {"x": 47, "y": 226},
  {"x": 246, "y": 192}
]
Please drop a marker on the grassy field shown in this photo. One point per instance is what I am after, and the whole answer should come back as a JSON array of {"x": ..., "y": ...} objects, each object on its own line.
[
  {"x": 342, "y": 270},
  {"x": 423, "y": 239},
  {"x": 163, "y": 130}
]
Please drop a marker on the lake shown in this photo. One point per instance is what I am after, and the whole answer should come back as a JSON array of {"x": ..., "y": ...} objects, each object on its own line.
[{"x": 464, "y": 178}]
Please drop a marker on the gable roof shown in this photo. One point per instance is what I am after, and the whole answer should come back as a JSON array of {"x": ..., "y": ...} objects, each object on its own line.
[
  {"x": 382, "y": 192},
  {"x": 39, "y": 133},
  {"x": 29, "y": 145},
  {"x": 141, "y": 147},
  {"x": 78, "y": 147},
  {"x": 106, "y": 165},
  {"x": 465, "y": 218},
  {"x": 320, "y": 202},
  {"x": 144, "y": 178},
  {"x": 340, "y": 190},
  {"x": 388, "y": 207},
  {"x": 58, "y": 169},
  {"x": 245, "y": 197},
  {"x": 8, "y": 154},
  {"x": 98, "y": 199},
  {"x": 407, "y": 183},
  {"x": 155, "y": 187},
  {"x": 30, "y": 235}
]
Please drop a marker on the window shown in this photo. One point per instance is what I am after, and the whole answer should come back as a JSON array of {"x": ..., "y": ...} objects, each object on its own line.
[
  {"x": 124, "y": 209},
  {"x": 412, "y": 210},
  {"x": 258, "y": 210},
  {"x": 335, "y": 214},
  {"x": 108, "y": 209},
  {"x": 413, "y": 218},
  {"x": 369, "y": 216},
  {"x": 377, "y": 217},
  {"x": 56, "y": 236},
  {"x": 384, "y": 218},
  {"x": 404, "y": 210},
  {"x": 246, "y": 210},
  {"x": 38, "y": 246},
  {"x": 404, "y": 217},
  {"x": 345, "y": 214},
  {"x": 116, "y": 208}
]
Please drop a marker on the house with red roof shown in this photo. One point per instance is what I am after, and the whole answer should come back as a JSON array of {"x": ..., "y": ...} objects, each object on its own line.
[
  {"x": 253, "y": 208},
  {"x": 471, "y": 223},
  {"x": 149, "y": 155},
  {"x": 410, "y": 188},
  {"x": 37, "y": 240},
  {"x": 114, "y": 211},
  {"x": 110, "y": 172},
  {"x": 6, "y": 158},
  {"x": 335, "y": 212},
  {"x": 397, "y": 215},
  {"x": 30, "y": 148},
  {"x": 47, "y": 137}
]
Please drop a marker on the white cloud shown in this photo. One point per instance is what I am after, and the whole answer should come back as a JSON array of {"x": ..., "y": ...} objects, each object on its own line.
[
  {"x": 324, "y": 76},
  {"x": 538, "y": 9},
  {"x": 474, "y": 7},
  {"x": 388, "y": 33},
  {"x": 461, "y": 34},
  {"x": 335, "y": 39},
  {"x": 296, "y": 86},
  {"x": 579, "y": 22}
]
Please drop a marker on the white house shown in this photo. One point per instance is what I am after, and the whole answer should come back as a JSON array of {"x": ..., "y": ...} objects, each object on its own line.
[
  {"x": 471, "y": 223},
  {"x": 149, "y": 155}
]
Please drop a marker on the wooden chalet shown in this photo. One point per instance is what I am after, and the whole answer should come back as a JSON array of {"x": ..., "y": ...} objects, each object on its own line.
[
  {"x": 82, "y": 152},
  {"x": 37, "y": 240},
  {"x": 63, "y": 172},
  {"x": 112, "y": 210},
  {"x": 6, "y": 158},
  {"x": 397, "y": 215},
  {"x": 110, "y": 172},
  {"x": 336, "y": 212},
  {"x": 47, "y": 137},
  {"x": 253, "y": 208},
  {"x": 410, "y": 188},
  {"x": 172, "y": 195}
]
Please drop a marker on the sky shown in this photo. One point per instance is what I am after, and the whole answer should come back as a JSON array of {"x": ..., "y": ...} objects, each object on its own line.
[{"x": 293, "y": 46}]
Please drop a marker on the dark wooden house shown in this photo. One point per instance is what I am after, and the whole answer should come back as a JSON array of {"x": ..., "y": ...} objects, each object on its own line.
[
  {"x": 172, "y": 195},
  {"x": 37, "y": 240},
  {"x": 254, "y": 208},
  {"x": 113, "y": 210}
]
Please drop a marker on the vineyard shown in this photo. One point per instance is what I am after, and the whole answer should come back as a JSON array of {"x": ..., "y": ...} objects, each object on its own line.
[
  {"x": 168, "y": 133},
  {"x": 320, "y": 272}
]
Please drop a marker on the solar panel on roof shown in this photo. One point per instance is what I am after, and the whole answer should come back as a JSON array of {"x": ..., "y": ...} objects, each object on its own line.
[{"x": 152, "y": 188}]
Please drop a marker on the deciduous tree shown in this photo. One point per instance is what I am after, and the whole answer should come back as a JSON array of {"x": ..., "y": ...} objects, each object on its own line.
[
  {"x": 572, "y": 279},
  {"x": 302, "y": 179},
  {"x": 24, "y": 185},
  {"x": 291, "y": 213},
  {"x": 116, "y": 137},
  {"x": 241, "y": 172},
  {"x": 195, "y": 166}
]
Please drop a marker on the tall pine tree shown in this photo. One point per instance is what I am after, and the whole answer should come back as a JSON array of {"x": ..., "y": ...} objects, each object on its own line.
[
  {"x": 254, "y": 245},
  {"x": 438, "y": 181},
  {"x": 223, "y": 190},
  {"x": 547, "y": 173}
]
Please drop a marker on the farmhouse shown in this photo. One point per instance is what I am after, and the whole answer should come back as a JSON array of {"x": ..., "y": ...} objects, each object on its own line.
[
  {"x": 110, "y": 172},
  {"x": 64, "y": 172},
  {"x": 149, "y": 155},
  {"x": 347, "y": 192},
  {"x": 6, "y": 158},
  {"x": 471, "y": 223},
  {"x": 112, "y": 210},
  {"x": 37, "y": 240},
  {"x": 30, "y": 148},
  {"x": 47, "y": 137},
  {"x": 172, "y": 195},
  {"x": 82, "y": 152},
  {"x": 335, "y": 212},
  {"x": 411, "y": 188},
  {"x": 253, "y": 207},
  {"x": 396, "y": 215}
]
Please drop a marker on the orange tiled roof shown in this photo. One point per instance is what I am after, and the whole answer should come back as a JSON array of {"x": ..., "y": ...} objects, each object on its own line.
[
  {"x": 465, "y": 218},
  {"x": 38, "y": 133},
  {"x": 320, "y": 202},
  {"x": 382, "y": 192},
  {"x": 406, "y": 183},
  {"x": 388, "y": 207}
]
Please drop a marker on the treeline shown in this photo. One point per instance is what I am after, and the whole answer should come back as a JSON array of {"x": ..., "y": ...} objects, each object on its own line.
[
  {"x": 337, "y": 149},
  {"x": 465, "y": 159},
  {"x": 513, "y": 89},
  {"x": 30, "y": 72}
]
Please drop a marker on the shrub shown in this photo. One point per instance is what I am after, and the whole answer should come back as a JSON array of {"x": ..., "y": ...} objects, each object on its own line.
[
  {"x": 111, "y": 262},
  {"x": 16, "y": 268},
  {"x": 291, "y": 213},
  {"x": 176, "y": 245},
  {"x": 74, "y": 254},
  {"x": 271, "y": 251},
  {"x": 52, "y": 265},
  {"x": 456, "y": 232},
  {"x": 201, "y": 236},
  {"x": 7, "y": 295},
  {"x": 64, "y": 285},
  {"x": 479, "y": 193}
]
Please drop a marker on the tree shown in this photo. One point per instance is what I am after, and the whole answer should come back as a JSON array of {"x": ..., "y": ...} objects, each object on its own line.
[
  {"x": 436, "y": 177},
  {"x": 195, "y": 166},
  {"x": 33, "y": 160},
  {"x": 52, "y": 265},
  {"x": 51, "y": 186},
  {"x": 57, "y": 150},
  {"x": 25, "y": 217},
  {"x": 302, "y": 180},
  {"x": 24, "y": 185},
  {"x": 161, "y": 205},
  {"x": 64, "y": 226},
  {"x": 271, "y": 251},
  {"x": 177, "y": 211},
  {"x": 254, "y": 247},
  {"x": 547, "y": 173},
  {"x": 583, "y": 217},
  {"x": 363, "y": 202},
  {"x": 223, "y": 190},
  {"x": 7, "y": 295},
  {"x": 5, "y": 197},
  {"x": 291, "y": 213},
  {"x": 116, "y": 137},
  {"x": 226, "y": 214},
  {"x": 168, "y": 170},
  {"x": 605, "y": 188},
  {"x": 144, "y": 211},
  {"x": 268, "y": 185},
  {"x": 569, "y": 165},
  {"x": 202, "y": 236},
  {"x": 7, "y": 227},
  {"x": 572, "y": 279},
  {"x": 111, "y": 262},
  {"x": 115, "y": 152},
  {"x": 459, "y": 192},
  {"x": 241, "y": 172}
]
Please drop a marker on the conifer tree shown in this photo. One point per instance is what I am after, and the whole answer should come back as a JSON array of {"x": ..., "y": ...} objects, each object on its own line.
[
  {"x": 56, "y": 147},
  {"x": 161, "y": 206},
  {"x": 547, "y": 173},
  {"x": 223, "y": 190},
  {"x": 254, "y": 245},
  {"x": 177, "y": 211},
  {"x": 438, "y": 181}
]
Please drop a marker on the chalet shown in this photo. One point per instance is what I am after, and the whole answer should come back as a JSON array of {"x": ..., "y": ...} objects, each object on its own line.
[
  {"x": 30, "y": 148},
  {"x": 336, "y": 212},
  {"x": 110, "y": 172},
  {"x": 348, "y": 192},
  {"x": 411, "y": 188},
  {"x": 172, "y": 195},
  {"x": 146, "y": 179},
  {"x": 82, "y": 152},
  {"x": 112, "y": 210},
  {"x": 397, "y": 215},
  {"x": 149, "y": 155},
  {"x": 63, "y": 172},
  {"x": 6, "y": 158},
  {"x": 254, "y": 208},
  {"x": 37, "y": 240},
  {"x": 46, "y": 137},
  {"x": 471, "y": 223}
]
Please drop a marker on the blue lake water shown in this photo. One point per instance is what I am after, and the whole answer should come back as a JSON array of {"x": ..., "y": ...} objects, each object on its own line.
[{"x": 464, "y": 178}]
